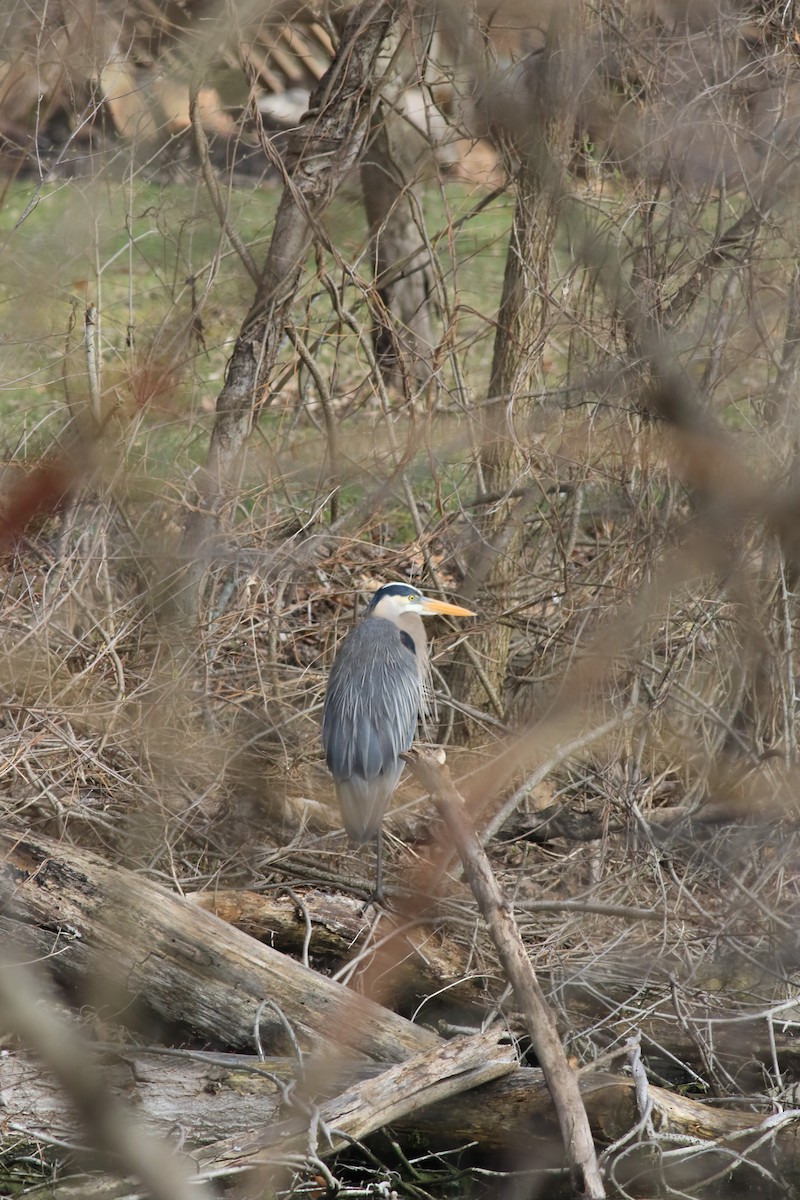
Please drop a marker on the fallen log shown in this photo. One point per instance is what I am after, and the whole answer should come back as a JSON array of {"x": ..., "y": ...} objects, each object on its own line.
[
  {"x": 96, "y": 922},
  {"x": 395, "y": 1094},
  {"x": 210, "y": 1096},
  {"x": 82, "y": 912},
  {"x": 70, "y": 908},
  {"x": 328, "y": 928},
  {"x": 561, "y": 821},
  {"x": 213, "y": 1096},
  {"x": 614, "y": 999},
  {"x": 29, "y": 1010}
]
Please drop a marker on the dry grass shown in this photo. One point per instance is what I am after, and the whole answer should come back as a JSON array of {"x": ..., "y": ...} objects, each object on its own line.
[{"x": 655, "y": 595}]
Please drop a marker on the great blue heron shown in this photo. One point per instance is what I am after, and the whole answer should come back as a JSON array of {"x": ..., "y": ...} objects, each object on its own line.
[{"x": 375, "y": 695}]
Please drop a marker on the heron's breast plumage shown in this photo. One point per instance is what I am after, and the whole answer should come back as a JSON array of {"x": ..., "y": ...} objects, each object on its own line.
[{"x": 372, "y": 703}]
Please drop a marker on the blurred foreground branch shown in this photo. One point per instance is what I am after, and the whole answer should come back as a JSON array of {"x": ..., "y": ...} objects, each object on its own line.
[
  {"x": 106, "y": 1124},
  {"x": 541, "y": 1026}
]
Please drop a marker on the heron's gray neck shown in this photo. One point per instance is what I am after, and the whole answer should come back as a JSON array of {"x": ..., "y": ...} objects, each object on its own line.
[{"x": 414, "y": 626}]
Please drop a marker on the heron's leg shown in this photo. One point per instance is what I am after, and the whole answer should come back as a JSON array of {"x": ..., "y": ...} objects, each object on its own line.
[{"x": 379, "y": 868}]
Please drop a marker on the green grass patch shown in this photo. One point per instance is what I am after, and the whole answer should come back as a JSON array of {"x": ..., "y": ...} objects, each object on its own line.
[{"x": 171, "y": 293}]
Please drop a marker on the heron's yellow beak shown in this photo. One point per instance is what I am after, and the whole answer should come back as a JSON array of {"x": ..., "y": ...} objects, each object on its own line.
[{"x": 441, "y": 606}]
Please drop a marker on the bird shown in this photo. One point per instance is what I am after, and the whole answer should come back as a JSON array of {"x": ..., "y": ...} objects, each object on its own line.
[{"x": 375, "y": 695}]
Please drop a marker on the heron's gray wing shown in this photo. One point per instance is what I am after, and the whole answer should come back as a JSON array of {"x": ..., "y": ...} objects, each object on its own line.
[{"x": 372, "y": 703}]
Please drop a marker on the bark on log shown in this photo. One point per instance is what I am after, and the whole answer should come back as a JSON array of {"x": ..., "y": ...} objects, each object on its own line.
[
  {"x": 188, "y": 965},
  {"x": 210, "y": 1095},
  {"x": 29, "y": 1011},
  {"x": 398, "y": 1092},
  {"x": 559, "y": 821},
  {"x": 213, "y": 1096}
]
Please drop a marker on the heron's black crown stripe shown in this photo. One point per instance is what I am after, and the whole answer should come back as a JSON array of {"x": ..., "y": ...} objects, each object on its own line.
[{"x": 394, "y": 589}]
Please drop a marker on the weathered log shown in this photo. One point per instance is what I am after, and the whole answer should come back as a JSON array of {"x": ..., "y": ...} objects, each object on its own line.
[
  {"x": 209, "y": 1095},
  {"x": 613, "y": 997},
  {"x": 561, "y": 821},
  {"x": 395, "y": 1094},
  {"x": 329, "y": 928},
  {"x": 212, "y": 1095},
  {"x": 87, "y": 915},
  {"x": 186, "y": 964},
  {"x": 61, "y": 914}
]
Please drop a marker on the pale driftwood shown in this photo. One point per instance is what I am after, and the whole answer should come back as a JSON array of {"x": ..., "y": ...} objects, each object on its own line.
[
  {"x": 337, "y": 926},
  {"x": 539, "y": 1020},
  {"x": 126, "y": 938},
  {"x": 194, "y": 1092},
  {"x": 434, "y": 1076}
]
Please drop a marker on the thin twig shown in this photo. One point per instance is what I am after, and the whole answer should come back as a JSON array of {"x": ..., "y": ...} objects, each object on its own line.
[
  {"x": 212, "y": 184},
  {"x": 92, "y": 368}
]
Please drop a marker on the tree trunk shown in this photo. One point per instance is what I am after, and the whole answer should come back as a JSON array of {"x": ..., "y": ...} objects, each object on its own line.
[
  {"x": 402, "y": 331},
  {"x": 541, "y": 129},
  {"x": 325, "y": 148}
]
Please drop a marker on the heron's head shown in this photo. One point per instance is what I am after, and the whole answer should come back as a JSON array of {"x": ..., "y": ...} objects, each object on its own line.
[{"x": 396, "y": 599}]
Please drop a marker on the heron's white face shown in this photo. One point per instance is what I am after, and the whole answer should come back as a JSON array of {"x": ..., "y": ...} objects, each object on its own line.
[{"x": 397, "y": 599}]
